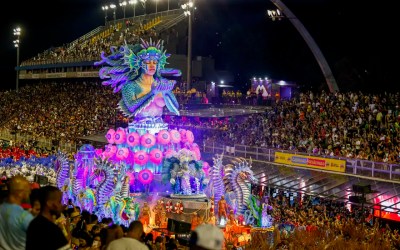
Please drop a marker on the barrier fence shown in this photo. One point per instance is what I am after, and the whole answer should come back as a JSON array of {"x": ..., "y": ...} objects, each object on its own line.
[
  {"x": 42, "y": 142},
  {"x": 380, "y": 170}
]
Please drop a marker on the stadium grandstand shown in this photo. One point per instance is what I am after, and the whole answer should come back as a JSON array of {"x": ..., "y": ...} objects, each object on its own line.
[{"x": 75, "y": 60}]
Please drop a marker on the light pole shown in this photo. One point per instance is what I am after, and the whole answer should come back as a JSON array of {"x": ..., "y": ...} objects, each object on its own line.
[
  {"x": 133, "y": 3},
  {"x": 123, "y": 5},
  {"x": 156, "y": 5},
  {"x": 113, "y": 7},
  {"x": 323, "y": 64},
  {"x": 17, "y": 42},
  {"x": 105, "y": 8},
  {"x": 144, "y": 5},
  {"x": 188, "y": 12}
]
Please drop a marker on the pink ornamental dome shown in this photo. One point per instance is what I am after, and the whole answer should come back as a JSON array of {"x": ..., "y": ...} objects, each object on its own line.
[
  {"x": 148, "y": 140},
  {"x": 110, "y": 151},
  {"x": 98, "y": 152},
  {"x": 122, "y": 153},
  {"x": 183, "y": 135},
  {"x": 156, "y": 156},
  {"x": 169, "y": 153},
  {"x": 133, "y": 139},
  {"x": 163, "y": 137},
  {"x": 175, "y": 136},
  {"x": 206, "y": 167},
  {"x": 189, "y": 136},
  {"x": 131, "y": 177},
  {"x": 110, "y": 136},
  {"x": 120, "y": 136},
  {"x": 141, "y": 157},
  {"x": 145, "y": 176},
  {"x": 197, "y": 154}
]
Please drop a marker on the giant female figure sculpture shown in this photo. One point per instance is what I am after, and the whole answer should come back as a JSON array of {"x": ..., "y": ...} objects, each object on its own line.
[{"x": 137, "y": 71}]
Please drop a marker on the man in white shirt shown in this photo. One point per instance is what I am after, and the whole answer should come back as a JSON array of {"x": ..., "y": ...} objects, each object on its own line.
[{"x": 131, "y": 241}]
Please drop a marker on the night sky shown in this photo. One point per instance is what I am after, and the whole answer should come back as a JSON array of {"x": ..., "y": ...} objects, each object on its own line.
[{"x": 356, "y": 37}]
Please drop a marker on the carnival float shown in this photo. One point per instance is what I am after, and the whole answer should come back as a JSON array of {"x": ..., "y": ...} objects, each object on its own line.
[{"x": 148, "y": 171}]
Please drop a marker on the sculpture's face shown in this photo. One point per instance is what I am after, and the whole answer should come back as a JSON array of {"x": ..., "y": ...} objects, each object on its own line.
[{"x": 150, "y": 67}]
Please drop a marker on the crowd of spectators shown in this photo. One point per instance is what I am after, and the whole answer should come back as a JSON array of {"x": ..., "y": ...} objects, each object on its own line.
[
  {"x": 325, "y": 224},
  {"x": 46, "y": 223},
  {"x": 90, "y": 49},
  {"x": 352, "y": 125},
  {"x": 59, "y": 111}
]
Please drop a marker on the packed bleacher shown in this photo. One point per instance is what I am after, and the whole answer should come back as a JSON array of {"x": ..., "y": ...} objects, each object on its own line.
[
  {"x": 59, "y": 111},
  {"x": 90, "y": 48},
  {"x": 351, "y": 125}
]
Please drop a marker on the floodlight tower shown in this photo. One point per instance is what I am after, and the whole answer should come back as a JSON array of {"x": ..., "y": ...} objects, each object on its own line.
[
  {"x": 188, "y": 8},
  {"x": 113, "y": 7},
  {"x": 17, "y": 43},
  {"x": 133, "y": 3},
  {"x": 123, "y": 5},
  {"x": 105, "y": 8}
]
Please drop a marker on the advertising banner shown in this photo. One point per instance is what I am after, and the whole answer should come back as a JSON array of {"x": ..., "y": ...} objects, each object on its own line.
[{"x": 311, "y": 162}]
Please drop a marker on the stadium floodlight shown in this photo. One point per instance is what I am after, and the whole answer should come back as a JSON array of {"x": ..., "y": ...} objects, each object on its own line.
[
  {"x": 133, "y": 3},
  {"x": 113, "y": 7},
  {"x": 123, "y": 5},
  {"x": 105, "y": 8},
  {"x": 144, "y": 5},
  {"x": 188, "y": 7},
  {"x": 275, "y": 14},
  {"x": 156, "y": 5},
  {"x": 17, "y": 45}
]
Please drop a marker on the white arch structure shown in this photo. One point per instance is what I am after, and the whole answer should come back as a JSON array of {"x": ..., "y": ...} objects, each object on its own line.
[{"x": 330, "y": 79}]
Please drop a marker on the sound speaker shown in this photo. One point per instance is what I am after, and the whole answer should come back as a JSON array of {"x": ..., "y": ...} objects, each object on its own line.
[
  {"x": 362, "y": 188},
  {"x": 357, "y": 199},
  {"x": 178, "y": 226},
  {"x": 41, "y": 179}
]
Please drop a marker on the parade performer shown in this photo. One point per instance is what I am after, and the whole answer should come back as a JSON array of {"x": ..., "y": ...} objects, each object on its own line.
[
  {"x": 145, "y": 214},
  {"x": 222, "y": 207},
  {"x": 158, "y": 210}
]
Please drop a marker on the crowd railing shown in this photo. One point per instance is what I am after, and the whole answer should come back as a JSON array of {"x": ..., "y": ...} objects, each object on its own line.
[
  {"x": 378, "y": 170},
  {"x": 42, "y": 142}
]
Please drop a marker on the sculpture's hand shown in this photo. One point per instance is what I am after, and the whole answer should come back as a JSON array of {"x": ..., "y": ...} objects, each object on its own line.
[{"x": 163, "y": 86}]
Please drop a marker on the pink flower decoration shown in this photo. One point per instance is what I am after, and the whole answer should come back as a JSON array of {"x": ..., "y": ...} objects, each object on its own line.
[
  {"x": 197, "y": 154},
  {"x": 120, "y": 136},
  {"x": 133, "y": 139},
  {"x": 206, "y": 167},
  {"x": 175, "y": 136},
  {"x": 183, "y": 135},
  {"x": 131, "y": 178},
  {"x": 169, "y": 153},
  {"x": 110, "y": 150},
  {"x": 122, "y": 153},
  {"x": 141, "y": 157},
  {"x": 145, "y": 176},
  {"x": 148, "y": 140},
  {"x": 98, "y": 152},
  {"x": 156, "y": 156},
  {"x": 110, "y": 136},
  {"x": 163, "y": 137},
  {"x": 189, "y": 136}
]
